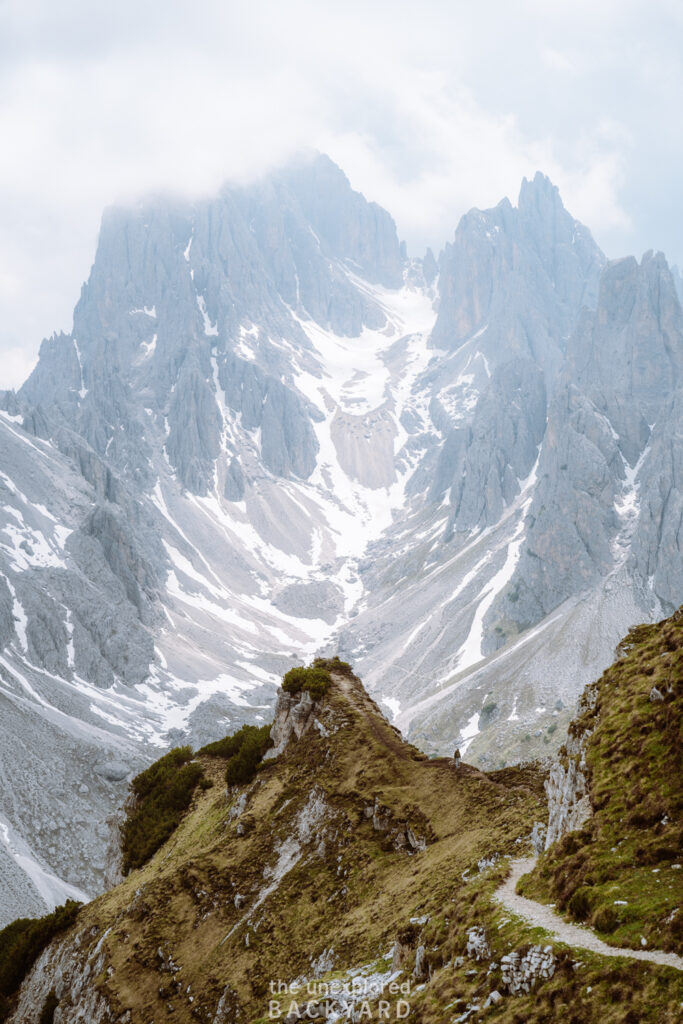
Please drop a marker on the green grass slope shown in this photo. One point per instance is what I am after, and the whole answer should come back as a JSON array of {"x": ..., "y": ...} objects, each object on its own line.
[{"x": 622, "y": 872}]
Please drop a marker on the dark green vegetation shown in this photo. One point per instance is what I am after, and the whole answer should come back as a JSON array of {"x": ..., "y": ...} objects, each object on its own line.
[
  {"x": 162, "y": 793},
  {"x": 22, "y": 942},
  {"x": 243, "y": 751},
  {"x": 313, "y": 679},
  {"x": 617, "y": 873}
]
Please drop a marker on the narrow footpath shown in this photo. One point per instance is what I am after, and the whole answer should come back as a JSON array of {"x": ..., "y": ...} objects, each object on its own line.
[{"x": 542, "y": 916}]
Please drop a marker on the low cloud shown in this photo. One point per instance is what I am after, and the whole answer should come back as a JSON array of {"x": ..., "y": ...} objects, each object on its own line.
[{"x": 429, "y": 111}]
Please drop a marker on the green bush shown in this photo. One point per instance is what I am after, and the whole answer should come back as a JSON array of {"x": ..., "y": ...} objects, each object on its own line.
[
  {"x": 243, "y": 751},
  {"x": 163, "y": 793},
  {"x": 334, "y": 664},
  {"x": 22, "y": 942},
  {"x": 245, "y": 760},
  {"x": 579, "y": 904},
  {"x": 229, "y": 745},
  {"x": 315, "y": 680}
]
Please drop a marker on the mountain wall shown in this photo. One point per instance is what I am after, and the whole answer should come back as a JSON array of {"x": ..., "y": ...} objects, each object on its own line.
[{"x": 269, "y": 434}]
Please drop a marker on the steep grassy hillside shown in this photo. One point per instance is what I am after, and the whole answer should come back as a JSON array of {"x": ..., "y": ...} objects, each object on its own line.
[
  {"x": 348, "y": 856},
  {"x": 622, "y": 871}
]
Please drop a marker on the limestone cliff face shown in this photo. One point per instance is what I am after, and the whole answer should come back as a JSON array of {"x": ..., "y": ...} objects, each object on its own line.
[
  {"x": 173, "y": 289},
  {"x": 609, "y": 468},
  {"x": 567, "y": 783},
  {"x": 519, "y": 276},
  {"x": 294, "y": 716},
  {"x": 568, "y": 801},
  {"x": 69, "y": 969}
]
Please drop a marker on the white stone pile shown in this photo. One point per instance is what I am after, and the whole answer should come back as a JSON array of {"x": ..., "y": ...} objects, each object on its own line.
[{"x": 521, "y": 972}]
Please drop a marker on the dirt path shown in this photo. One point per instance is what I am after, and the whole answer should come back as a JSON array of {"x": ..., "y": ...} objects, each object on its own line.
[{"x": 543, "y": 916}]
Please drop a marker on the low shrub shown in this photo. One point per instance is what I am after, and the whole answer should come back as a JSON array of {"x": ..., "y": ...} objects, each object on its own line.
[
  {"x": 334, "y": 664},
  {"x": 163, "y": 792},
  {"x": 22, "y": 942},
  {"x": 243, "y": 750},
  {"x": 315, "y": 680},
  {"x": 489, "y": 713},
  {"x": 245, "y": 760},
  {"x": 579, "y": 905}
]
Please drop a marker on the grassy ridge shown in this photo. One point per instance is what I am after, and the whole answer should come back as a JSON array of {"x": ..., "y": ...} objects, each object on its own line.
[{"x": 617, "y": 873}]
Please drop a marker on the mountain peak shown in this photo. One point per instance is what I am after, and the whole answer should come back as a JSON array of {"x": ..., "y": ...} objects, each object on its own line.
[{"x": 540, "y": 187}]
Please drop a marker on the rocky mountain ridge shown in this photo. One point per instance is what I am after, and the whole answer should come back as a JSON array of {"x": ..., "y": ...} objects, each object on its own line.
[{"x": 271, "y": 434}]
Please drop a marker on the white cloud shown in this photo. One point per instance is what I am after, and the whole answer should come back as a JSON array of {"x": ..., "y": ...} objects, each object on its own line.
[
  {"x": 17, "y": 364},
  {"x": 430, "y": 110}
]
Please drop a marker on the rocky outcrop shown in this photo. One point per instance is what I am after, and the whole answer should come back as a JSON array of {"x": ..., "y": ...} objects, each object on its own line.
[
  {"x": 522, "y": 971},
  {"x": 401, "y": 835},
  {"x": 69, "y": 969},
  {"x": 477, "y": 946},
  {"x": 485, "y": 463},
  {"x": 609, "y": 475},
  {"x": 567, "y": 784},
  {"x": 519, "y": 276},
  {"x": 106, "y": 525},
  {"x": 294, "y": 716},
  {"x": 288, "y": 442},
  {"x": 657, "y": 545},
  {"x": 568, "y": 801}
]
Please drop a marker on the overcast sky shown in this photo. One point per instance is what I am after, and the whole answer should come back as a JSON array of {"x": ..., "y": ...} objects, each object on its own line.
[{"x": 430, "y": 108}]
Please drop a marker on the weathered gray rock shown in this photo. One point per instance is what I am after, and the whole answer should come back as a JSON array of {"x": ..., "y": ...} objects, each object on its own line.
[
  {"x": 490, "y": 458},
  {"x": 421, "y": 969},
  {"x": 234, "y": 483},
  {"x": 294, "y": 716},
  {"x": 538, "y": 837},
  {"x": 567, "y": 784},
  {"x": 523, "y": 972},
  {"x": 288, "y": 442},
  {"x": 568, "y": 801},
  {"x": 608, "y": 483},
  {"x": 67, "y": 968},
  {"x": 320, "y": 599},
  {"x": 477, "y": 945},
  {"x": 519, "y": 276},
  {"x": 656, "y": 552},
  {"x": 113, "y": 771}
]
